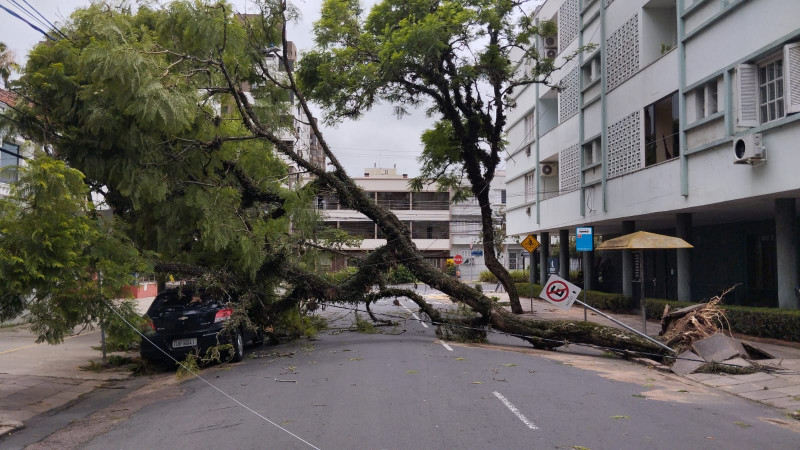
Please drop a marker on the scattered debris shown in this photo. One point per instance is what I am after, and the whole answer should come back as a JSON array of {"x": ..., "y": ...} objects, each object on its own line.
[
  {"x": 687, "y": 362},
  {"x": 683, "y": 327},
  {"x": 285, "y": 381},
  {"x": 718, "y": 348},
  {"x": 620, "y": 417},
  {"x": 742, "y": 425}
]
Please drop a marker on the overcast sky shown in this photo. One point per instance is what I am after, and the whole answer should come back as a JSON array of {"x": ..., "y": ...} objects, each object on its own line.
[{"x": 378, "y": 138}]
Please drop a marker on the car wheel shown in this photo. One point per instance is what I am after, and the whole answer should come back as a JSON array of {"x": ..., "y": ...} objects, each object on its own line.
[{"x": 238, "y": 346}]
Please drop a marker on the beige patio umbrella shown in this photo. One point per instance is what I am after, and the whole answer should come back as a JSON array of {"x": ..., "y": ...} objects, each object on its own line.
[{"x": 642, "y": 240}]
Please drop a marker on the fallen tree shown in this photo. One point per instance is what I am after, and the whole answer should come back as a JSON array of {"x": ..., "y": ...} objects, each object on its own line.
[{"x": 197, "y": 156}]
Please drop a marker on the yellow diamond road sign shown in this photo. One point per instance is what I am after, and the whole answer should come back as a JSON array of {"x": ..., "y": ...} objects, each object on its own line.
[{"x": 530, "y": 243}]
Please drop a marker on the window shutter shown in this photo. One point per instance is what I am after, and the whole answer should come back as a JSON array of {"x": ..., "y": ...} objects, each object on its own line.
[
  {"x": 747, "y": 93},
  {"x": 791, "y": 77}
]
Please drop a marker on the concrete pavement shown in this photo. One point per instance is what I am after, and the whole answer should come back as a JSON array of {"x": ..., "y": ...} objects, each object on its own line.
[
  {"x": 779, "y": 386},
  {"x": 37, "y": 378}
]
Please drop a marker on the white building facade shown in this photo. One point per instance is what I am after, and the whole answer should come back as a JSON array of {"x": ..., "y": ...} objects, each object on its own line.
[
  {"x": 12, "y": 149},
  {"x": 439, "y": 229},
  {"x": 681, "y": 120}
]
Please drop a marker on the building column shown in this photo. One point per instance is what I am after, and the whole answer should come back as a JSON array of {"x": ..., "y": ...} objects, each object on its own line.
[
  {"x": 563, "y": 254},
  {"x": 544, "y": 253},
  {"x": 786, "y": 243},
  {"x": 588, "y": 270},
  {"x": 683, "y": 229},
  {"x": 628, "y": 227}
]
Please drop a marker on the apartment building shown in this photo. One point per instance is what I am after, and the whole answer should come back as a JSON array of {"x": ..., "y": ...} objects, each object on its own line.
[
  {"x": 12, "y": 153},
  {"x": 439, "y": 230},
  {"x": 681, "y": 119}
]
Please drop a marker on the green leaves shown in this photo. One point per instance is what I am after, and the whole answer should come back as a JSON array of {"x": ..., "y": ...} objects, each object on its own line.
[{"x": 59, "y": 258}]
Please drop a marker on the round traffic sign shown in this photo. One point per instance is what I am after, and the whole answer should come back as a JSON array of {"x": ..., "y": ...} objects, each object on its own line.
[
  {"x": 557, "y": 291},
  {"x": 458, "y": 259}
]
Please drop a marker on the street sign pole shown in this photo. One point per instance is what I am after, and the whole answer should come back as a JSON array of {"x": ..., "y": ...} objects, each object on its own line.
[
  {"x": 634, "y": 330},
  {"x": 584, "y": 242}
]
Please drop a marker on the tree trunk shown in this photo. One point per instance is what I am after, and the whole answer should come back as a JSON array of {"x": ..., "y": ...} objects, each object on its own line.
[{"x": 490, "y": 257}]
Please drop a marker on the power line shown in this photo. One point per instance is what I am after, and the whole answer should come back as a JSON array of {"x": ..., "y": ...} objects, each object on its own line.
[{"x": 29, "y": 24}]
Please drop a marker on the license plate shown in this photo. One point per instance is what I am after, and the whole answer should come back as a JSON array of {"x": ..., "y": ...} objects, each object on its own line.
[{"x": 190, "y": 342}]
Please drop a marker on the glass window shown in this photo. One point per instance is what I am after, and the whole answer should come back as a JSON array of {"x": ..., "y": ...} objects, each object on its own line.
[
  {"x": 503, "y": 196},
  {"x": 770, "y": 90},
  {"x": 430, "y": 230},
  {"x": 661, "y": 123},
  {"x": 530, "y": 188},
  {"x": 9, "y": 160},
  {"x": 430, "y": 201},
  {"x": 394, "y": 200}
]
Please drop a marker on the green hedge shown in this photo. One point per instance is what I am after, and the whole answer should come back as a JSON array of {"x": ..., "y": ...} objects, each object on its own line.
[
  {"x": 518, "y": 276},
  {"x": 783, "y": 324},
  {"x": 600, "y": 300}
]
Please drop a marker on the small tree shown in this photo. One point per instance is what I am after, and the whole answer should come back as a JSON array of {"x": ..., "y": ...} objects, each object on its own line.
[{"x": 60, "y": 260}]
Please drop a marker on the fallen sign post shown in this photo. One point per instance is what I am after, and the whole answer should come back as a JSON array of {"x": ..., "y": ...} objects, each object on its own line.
[{"x": 563, "y": 294}]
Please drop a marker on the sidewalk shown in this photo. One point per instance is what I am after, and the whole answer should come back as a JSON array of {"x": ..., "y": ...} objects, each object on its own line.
[
  {"x": 779, "y": 387},
  {"x": 36, "y": 378}
]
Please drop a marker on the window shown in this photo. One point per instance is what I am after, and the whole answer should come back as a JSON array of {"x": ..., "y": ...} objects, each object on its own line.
[
  {"x": 770, "y": 90},
  {"x": 661, "y": 123},
  {"x": 430, "y": 230},
  {"x": 503, "y": 196},
  {"x": 394, "y": 200},
  {"x": 512, "y": 261},
  {"x": 591, "y": 152},
  {"x": 9, "y": 160},
  {"x": 430, "y": 201},
  {"x": 530, "y": 122},
  {"x": 361, "y": 229},
  {"x": 705, "y": 100},
  {"x": 528, "y": 151},
  {"x": 591, "y": 70},
  {"x": 530, "y": 187}
]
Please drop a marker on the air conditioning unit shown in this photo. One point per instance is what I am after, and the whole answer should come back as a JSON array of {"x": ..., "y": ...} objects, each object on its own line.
[
  {"x": 550, "y": 42},
  {"x": 550, "y": 53},
  {"x": 548, "y": 170},
  {"x": 749, "y": 149}
]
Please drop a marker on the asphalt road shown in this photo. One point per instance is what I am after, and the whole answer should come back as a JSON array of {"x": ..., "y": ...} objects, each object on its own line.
[{"x": 350, "y": 390}]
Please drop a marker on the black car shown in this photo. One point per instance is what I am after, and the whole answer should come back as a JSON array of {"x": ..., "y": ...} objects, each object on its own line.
[{"x": 185, "y": 320}]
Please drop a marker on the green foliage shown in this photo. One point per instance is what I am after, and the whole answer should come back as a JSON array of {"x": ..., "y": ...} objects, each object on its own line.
[
  {"x": 401, "y": 275},
  {"x": 120, "y": 336},
  {"x": 487, "y": 277},
  {"x": 461, "y": 332},
  {"x": 364, "y": 326},
  {"x": 478, "y": 287},
  {"x": 524, "y": 289},
  {"x": 126, "y": 105},
  {"x": 59, "y": 258},
  {"x": 342, "y": 275},
  {"x": 518, "y": 276}
]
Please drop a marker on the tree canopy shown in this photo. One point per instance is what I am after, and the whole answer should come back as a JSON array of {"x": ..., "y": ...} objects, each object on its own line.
[{"x": 178, "y": 118}]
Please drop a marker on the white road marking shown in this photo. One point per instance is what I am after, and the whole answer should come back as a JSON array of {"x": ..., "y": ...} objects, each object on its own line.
[
  {"x": 514, "y": 410},
  {"x": 446, "y": 346},
  {"x": 415, "y": 316}
]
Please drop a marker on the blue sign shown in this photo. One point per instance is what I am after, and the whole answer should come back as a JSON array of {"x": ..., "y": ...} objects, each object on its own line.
[
  {"x": 584, "y": 242},
  {"x": 552, "y": 265},
  {"x": 477, "y": 253}
]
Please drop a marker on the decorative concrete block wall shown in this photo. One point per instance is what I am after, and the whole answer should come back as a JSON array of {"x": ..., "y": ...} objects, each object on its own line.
[
  {"x": 624, "y": 152},
  {"x": 569, "y": 162},
  {"x": 622, "y": 53}
]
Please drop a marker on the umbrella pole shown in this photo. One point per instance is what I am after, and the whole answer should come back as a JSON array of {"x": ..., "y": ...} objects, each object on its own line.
[{"x": 641, "y": 286}]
